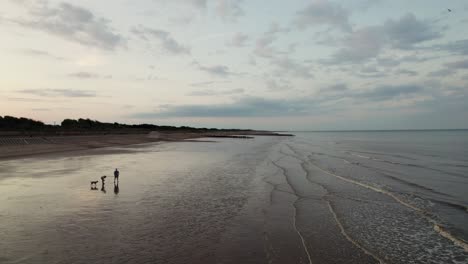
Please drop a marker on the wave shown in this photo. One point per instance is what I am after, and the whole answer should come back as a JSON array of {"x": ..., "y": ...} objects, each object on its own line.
[
  {"x": 459, "y": 175},
  {"x": 451, "y": 204},
  {"x": 383, "y": 154},
  {"x": 436, "y": 226}
]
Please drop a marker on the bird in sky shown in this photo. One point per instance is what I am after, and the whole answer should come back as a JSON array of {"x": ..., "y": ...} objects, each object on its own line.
[{"x": 450, "y": 10}]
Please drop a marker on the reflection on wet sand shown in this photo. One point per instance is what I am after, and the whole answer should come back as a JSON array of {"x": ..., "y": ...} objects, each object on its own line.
[
  {"x": 268, "y": 200},
  {"x": 116, "y": 188},
  {"x": 103, "y": 187}
]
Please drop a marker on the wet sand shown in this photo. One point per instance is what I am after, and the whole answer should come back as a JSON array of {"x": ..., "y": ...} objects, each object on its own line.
[
  {"x": 18, "y": 147},
  {"x": 234, "y": 201}
]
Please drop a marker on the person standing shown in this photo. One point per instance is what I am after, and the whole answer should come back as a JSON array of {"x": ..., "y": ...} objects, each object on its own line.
[{"x": 116, "y": 175}]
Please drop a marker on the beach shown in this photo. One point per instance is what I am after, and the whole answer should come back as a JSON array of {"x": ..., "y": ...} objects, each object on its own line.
[
  {"x": 12, "y": 147},
  {"x": 312, "y": 198}
]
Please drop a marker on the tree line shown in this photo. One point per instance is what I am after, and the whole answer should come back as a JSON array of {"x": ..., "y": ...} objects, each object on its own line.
[{"x": 10, "y": 123}]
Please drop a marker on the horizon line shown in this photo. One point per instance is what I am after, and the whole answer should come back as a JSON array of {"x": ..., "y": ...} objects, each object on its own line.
[{"x": 379, "y": 130}]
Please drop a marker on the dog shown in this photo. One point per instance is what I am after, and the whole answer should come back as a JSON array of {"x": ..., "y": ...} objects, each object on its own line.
[{"x": 93, "y": 185}]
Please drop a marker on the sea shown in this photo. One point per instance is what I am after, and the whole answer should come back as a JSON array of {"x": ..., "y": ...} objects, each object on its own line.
[{"x": 316, "y": 197}]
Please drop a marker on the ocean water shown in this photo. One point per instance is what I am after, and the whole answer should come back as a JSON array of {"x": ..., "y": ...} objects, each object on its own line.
[
  {"x": 425, "y": 173},
  {"x": 318, "y": 197}
]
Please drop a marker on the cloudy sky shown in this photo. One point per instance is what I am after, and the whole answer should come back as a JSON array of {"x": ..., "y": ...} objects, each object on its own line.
[{"x": 297, "y": 64}]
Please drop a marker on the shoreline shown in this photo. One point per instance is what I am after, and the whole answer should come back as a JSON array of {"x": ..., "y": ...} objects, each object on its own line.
[{"x": 24, "y": 147}]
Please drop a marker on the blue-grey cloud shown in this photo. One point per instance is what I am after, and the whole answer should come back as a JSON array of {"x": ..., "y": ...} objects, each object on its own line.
[
  {"x": 41, "y": 53},
  {"x": 323, "y": 12},
  {"x": 374, "y": 94},
  {"x": 229, "y": 10},
  {"x": 450, "y": 68},
  {"x": 408, "y": 31},
  {"x": 278, "y": 85},
  {"x": 462, "y": 64},
  {"x": 215, "y": 70},
  {"x": 392, "y": 62},
  {"x": 199, "y": 3},
  {"x": 456, "y": 47},
  {"x": 263, "y": 45},
  {"x": 359, "y": 46},
  {"x": 238, "y": 40},
  {"x": 211, "y": 92},
  {"x": 368, "y": 42},
  {"x": 58, "y": 92},
  {"x": 70, "y": 22},
  {"x": 245, "y": 107},
  {"x": 388, "y": 92},
  {"x": 322, "y": 102},
  {"x": 335, "y": 88},
  {"x": 168, "y": 43},
  {"x": 89, "y": 75},
  {"x": 406, "y": 72},
  {"x": 442, "y": 72},
  {"x": 208, "y": 83},
  {"x": 288, "y": 66}
]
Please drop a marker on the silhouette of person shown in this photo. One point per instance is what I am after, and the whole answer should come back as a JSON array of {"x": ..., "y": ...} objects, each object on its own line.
[
  {"x": 116, "y": 175},
  {"x": 116, "y": 188},
  {"x": 103, "y": 187}
]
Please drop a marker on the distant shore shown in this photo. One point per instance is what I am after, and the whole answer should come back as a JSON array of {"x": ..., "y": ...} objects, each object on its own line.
[{"x": 15, "y": 147}]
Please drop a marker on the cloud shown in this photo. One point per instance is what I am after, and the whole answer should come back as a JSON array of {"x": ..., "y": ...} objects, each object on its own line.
[
  {"x": 210, "y": 92},
  {"x": 202, "y": 84},
  {"x": 387, "y": 92},
  {"x": 216, "y": 70},
  {"x": 323, "y": 12},
  {"x": 244, "y": 107},
  {"x": 199, "y": 3},
  {"x": 450, "y": 68},
  {"x": 286, "y": 65},
  {"x": 340, "y": 87},
  {"x": 263, "y": 44},
  {"x": 58, "y": 92},
  {"x": 360, "y": 45},
  {"x": 278, "y": 85},
  {"x": 229, "y": 10},
  {"x": 408, "y": 31},
  {"x": 364, "y": 5},
  {"x": 463, "y": 64},
  {"x": 395, "y": 61},
  {"x": 88, "y": 75},
  {"x": 368, "y": 42},
  {"x": 406, "y": 72},
  {"x": 168, "y": 43},
  {"x": 41, "y": 109},
  {"x": 375, "y": 94},
  {"x": 238, "y": 40},
  {"x": 456, "y": 47},
  {"x": 40, "y": 53},
  {"x": 72, "y": 23},
  {"x": 263, "y": 48},
  {"x": 338, "y": 98},
  {"x": 442, "y": 73}
]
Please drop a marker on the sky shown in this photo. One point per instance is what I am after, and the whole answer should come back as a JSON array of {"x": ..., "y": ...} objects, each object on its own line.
[{"x": 277, "y": 65}]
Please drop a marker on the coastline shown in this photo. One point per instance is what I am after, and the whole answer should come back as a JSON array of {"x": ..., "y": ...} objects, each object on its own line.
[{"x": 22, "y": 147}]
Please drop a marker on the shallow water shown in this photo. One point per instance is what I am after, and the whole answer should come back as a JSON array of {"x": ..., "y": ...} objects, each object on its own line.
[{"x": 317, "y": 197}]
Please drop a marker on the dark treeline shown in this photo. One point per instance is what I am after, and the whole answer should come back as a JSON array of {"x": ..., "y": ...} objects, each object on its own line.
[
  {"x": 22, "y": 123},
  {"x": 10, "y": 123}
]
